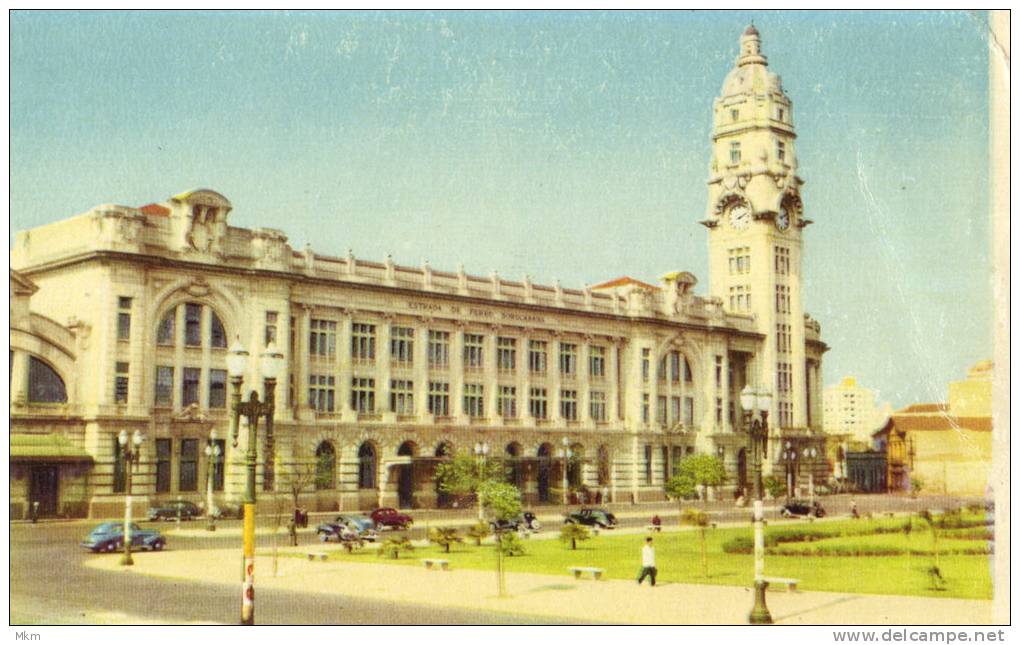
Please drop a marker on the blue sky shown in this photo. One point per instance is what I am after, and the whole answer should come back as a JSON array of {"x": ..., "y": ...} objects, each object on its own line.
[{"x": 571, "y": 146}]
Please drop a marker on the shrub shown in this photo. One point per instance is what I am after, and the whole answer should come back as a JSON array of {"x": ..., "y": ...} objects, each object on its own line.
[
  {"x": 774, "y": 486},
  {"x": 511, "y": 543},
  {"x": 572, "y": 533},
  {"x": 444, "y": 537},
  {"x": 479, "y": 532},
  {"x": 393, "y": 546}
]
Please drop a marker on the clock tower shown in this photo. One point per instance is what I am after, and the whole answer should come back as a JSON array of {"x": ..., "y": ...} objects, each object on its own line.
[{"x": 756, "y": 220}]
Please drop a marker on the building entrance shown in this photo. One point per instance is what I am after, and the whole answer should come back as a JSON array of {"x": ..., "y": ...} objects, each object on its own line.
[{"x": 43, "y": 487}]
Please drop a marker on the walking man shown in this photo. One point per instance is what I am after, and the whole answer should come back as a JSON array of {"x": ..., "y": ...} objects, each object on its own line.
[{"x": 648, "y": 562}]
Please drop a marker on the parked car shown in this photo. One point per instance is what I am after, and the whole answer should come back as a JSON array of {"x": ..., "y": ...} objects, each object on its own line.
[
  {"x": 391, "y": 518},
  {"x": 109, "y": 536},
  {"x": 345, "y": 527},
  {"x": 800, "y": 508},
  {"x": 599, "y": 517},
  {"x": 524, "y": 522},
  {"x": 172, "y": 510}
]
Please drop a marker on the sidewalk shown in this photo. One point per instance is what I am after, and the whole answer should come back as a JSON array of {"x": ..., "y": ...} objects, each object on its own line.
[{"x": 555, "y": 597}]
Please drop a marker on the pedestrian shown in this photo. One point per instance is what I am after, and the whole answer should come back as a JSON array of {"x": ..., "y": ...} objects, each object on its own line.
[
  {"x": 853, "y": 510},
  {"x": 648, "y": 562},
  {"x": 605, "y": 494}
]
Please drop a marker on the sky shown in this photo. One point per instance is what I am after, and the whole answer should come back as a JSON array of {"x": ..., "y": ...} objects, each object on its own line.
[{"x": 565, "y": 145}]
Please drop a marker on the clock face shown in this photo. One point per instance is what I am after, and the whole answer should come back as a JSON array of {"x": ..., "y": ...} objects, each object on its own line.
[
  {"x": 783, "y": 218},
  {"x": 740, "y": 216}
]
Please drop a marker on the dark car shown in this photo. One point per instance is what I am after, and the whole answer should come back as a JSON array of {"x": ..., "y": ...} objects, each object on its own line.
[
  {"x": 599, "y": 517},
  {"x": 348, "y": 527},
  {"x": 524, "y": 522},
  {"x": 799, "y": 508},
  {"x": 172, "y": 510},
  {"x": 109, "y": 536},
  {"x": 390, "y": 518}
]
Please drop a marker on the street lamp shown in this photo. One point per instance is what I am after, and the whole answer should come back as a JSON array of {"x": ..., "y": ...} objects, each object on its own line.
[
  {"x": 755, "y": 404},
  {"x": 810, "y": 454},
  {"x": 481, "y": 452},
  {"x": 130, "y": 453},
  {"x": 565, "y": 454},
  {"x": 252, "y": 410},
  {"x": 213, "y": 456},
  {"x": 790, "y": 461}
]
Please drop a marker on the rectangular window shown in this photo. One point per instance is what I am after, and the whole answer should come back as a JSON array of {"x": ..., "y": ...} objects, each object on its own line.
[
  {"x": 120, "y": 387},
  {"x": 362, "y": 342},
  {"x": 688, "y": 410},
  {"x": 506, "y": 354},
  {"x": 165, "y": 332},
  {"x": 644, "y": 408},
  {"x": 218, "y": 471},
  {"x": 322, "y": 338},
  {"x": 597, "y": 361},
  {"x": 782, "y": 260},
  {"x": 537, "y": 356},
  {"x": 781, "y": 151},
  {"x": 665, "y": 463},
  {"x": 217, "y": 388},
  {"x": 740, "y": 260},
  {"x": 674, "y": 409},
  {"x": 568, "y": 359},
  {"x": 119, "y": 473},
  {"x": 270, "y": 335},
  {"x": 782, "y": 299},
  {"x": 163, "y": 451},
  {"x": 506, "y": 401},
  {"x": 189, "y": 385},
  {"x": 538, "y": 403},
  {"x": 646, "y": 357},
  {"x": 718, "y": 411},
  {"x": 193, "y": 325},
  {"x": 780, "y": 114},
  {"x": 735, "y": 152},
  {"x": 363, "y": 395},
  {"x": 660, "y": 409},
  {"x": 648, "y": 464},
  {"x": 123, "y": 326},
  {"x": 188, "y": 480},
  {"x": 439, "y": 349},
  {"x": 322, "y": 392},
  {"x": 439, "y": 399},
  {"x": 402, "y": 397},
  {"x": 402, "y": 346},
  {"x": 568, "y": 404},
  {"x": 740, "y": 298},
  {"x": 473, "y": 400},
  {"x": 734, "y": 115},
  {"x": 598, "y": 406},
  {"x": 473, "y": 351},
  {"x": 718, "y": 371},
  {"x": 164, "y": 386}
]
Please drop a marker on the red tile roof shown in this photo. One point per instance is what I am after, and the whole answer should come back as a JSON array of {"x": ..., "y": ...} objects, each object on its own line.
[
  {"x": 625, "y": 280},
  {"x": 155, "y": 209},
  {"x": 924, "y": 407},
  {"x": 935, "y": 422}
]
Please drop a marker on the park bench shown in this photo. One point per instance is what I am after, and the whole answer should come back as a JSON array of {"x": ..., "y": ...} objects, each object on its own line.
[
  {"x": 657, "y": 528},
  {"x": 317, "y": 555},
  {"x": 440, "y": 564},
  {"x": 790, "y": 583},
  {"x": 595, "y": 572}
]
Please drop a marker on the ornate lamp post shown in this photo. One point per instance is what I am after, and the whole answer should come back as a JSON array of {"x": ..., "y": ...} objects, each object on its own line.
[
  {"x": 565, "y": 454},
  {"x": 790, "y": 460},
  {"x": 481, "y": 452},
  {"x": 810, "y": 454},
  {"x": 213, "y": 456},
  {"x": 252, "y": 410},
  {"x": 755, "y": 404},
  {"x": 129, "y": 452}
]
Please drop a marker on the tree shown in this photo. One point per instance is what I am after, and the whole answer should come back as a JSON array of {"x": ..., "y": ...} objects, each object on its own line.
[
  {"x": 693, "y": 474},
  {"x": 510, "y": 543},
  {"x": 774, "y": 486},
  {"x": 478, "y": 532},
  {"x": 573, "y": 533},
  {"x": 444, "y": 537},
  {"x": 502, "y": 501},
  {"x": 393, "y": 546},
  {"x": 698, "y": 518},
  {"x": 465, "y": 474}
]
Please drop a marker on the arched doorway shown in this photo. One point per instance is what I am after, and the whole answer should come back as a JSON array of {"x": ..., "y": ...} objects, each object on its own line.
[
  {"x": 443, "y": 452},
  {"x": 575, "y": 466},
  {"x": 366, "y": 466},
  {"x": 742, "y": 472},
  {"x": 405, "y": 476},
  {"x": 514, "y": 471},
  {"x": 544, "y": 468},
  {"x": 325, "y": 466}
]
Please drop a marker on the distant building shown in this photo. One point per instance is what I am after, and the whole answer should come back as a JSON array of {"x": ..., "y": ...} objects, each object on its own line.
[
  {"x": 851, "y": 412},
  {"x": 948, "y": 447}
]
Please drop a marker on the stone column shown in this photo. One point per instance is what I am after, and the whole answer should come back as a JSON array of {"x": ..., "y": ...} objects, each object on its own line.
[
  {"x": 304, "y": 327},
  {"x": 555, "y": 380},
  {"x": 523, "y": 379},
  {"x": 584, "y": 381},
  {"x": 203, "y": 381},
  {"x": 490, "y": 374},
  {"x": 179, "y": 359},
  {"x": 457, "y": 372},
  {"x": 383, "y": 368},
  {"x": 421, "y": 369},
  {"x": 613, "y": 390},
  {"x": 19, "y": 378}
]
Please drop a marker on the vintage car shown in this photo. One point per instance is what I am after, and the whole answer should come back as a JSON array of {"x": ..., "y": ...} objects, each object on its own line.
[
  {"x": 390, "y": 518},
  {"x": 599, "y": 517},
  {"x": 178, "y": 508},
  {"x": 526, "y": 521},
  {"x": 109, "y": 536},
  {"x": 800, "y": 508},
  {"x": 348, "y": 527}
]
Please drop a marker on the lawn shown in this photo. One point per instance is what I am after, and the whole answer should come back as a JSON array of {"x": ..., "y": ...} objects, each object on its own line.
[{"x": 678, "y": 557}]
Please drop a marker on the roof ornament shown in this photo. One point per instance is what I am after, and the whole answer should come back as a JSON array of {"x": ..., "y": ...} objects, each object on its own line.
[{"x": 352, "y": 263}]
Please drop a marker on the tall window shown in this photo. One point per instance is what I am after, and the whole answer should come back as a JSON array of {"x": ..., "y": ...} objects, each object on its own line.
[
  {"x": 537, "y": 356},
  {"x": 597, "y": 361},
  {"x": 189, "y": 385},
  {"x": 120, "y": 386},
  {"x": 217, "y": 334},
  {"x": 782, "y": 260},
  {"x": 123, "y": 318},
  {"x": 506, "y": 401},
  {"x": 740, "y": 298},
  {"x": 402, "y": 345},
  {"x": 735, "y": 152},
  {"x": 363, "y": 342},
  {"x": 119, "y": 472},
  {"x": 538, "y": 403},
  {"x": 568, "y": 359},
  {"x": 718, "y": 371},
  {"x": 648, "y": 464},
  {"x": 270, "y": 335},
  {"x": 740, "y": 260},
  {"x": 439, "y": 399},
  {"x": 165, "y": 332},
  {"x": 646, "y": 358},
  {"x": 402, "y": 396},
  {"x": 473, "y": 344},
  {"x": 363, "y": 395},
  {"x": 366, "y": 466},
  {"x": 506, "y": 354},
  {"x": 217, "y": 388},
  {"x": 473, "y": 400},
  {"x": 568, "y": 404},
  {"x": 782, "y": 299},
  {"x": 781, "y": 151},
  {"x": 193, "y": 325},
  {"x": 166, "y": 336},
  {"x": 718, "y": 411},
  {"x": 734, "y": 115},
  {"x": 660, "y": 409},
  {"x": 645, "y": 412},
  {"x": 688, "y": 374},
  {"x": 439, "y": 349},
  {"x": 322, "y": 338},
  {"x": 665, "y": 463},
  {"x": 163, "y": 452},
  {"x": 218, "y": 471},
  {"x": 164, "y": 385},
  {"x": 674, "y": 409},
  {"x": 689, "y": 410},
  {"x": 188, "y": 480},
  {"x": 325, "y": 466},
  {"x": 322, "y": 392},
  {"x": 598, "y": 406}
]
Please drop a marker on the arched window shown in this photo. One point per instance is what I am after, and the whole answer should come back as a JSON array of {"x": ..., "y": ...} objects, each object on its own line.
[
  {"x": 217, "y": 335},
  {"x": 325, "y": 466},
  {"x": 688, "y": 375},
  {"x": 366, "y": 466},
  {"x": 166, "y": 333},
  {"x": 44, "y": 384},
  {"x": 167, "y": 326}
]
